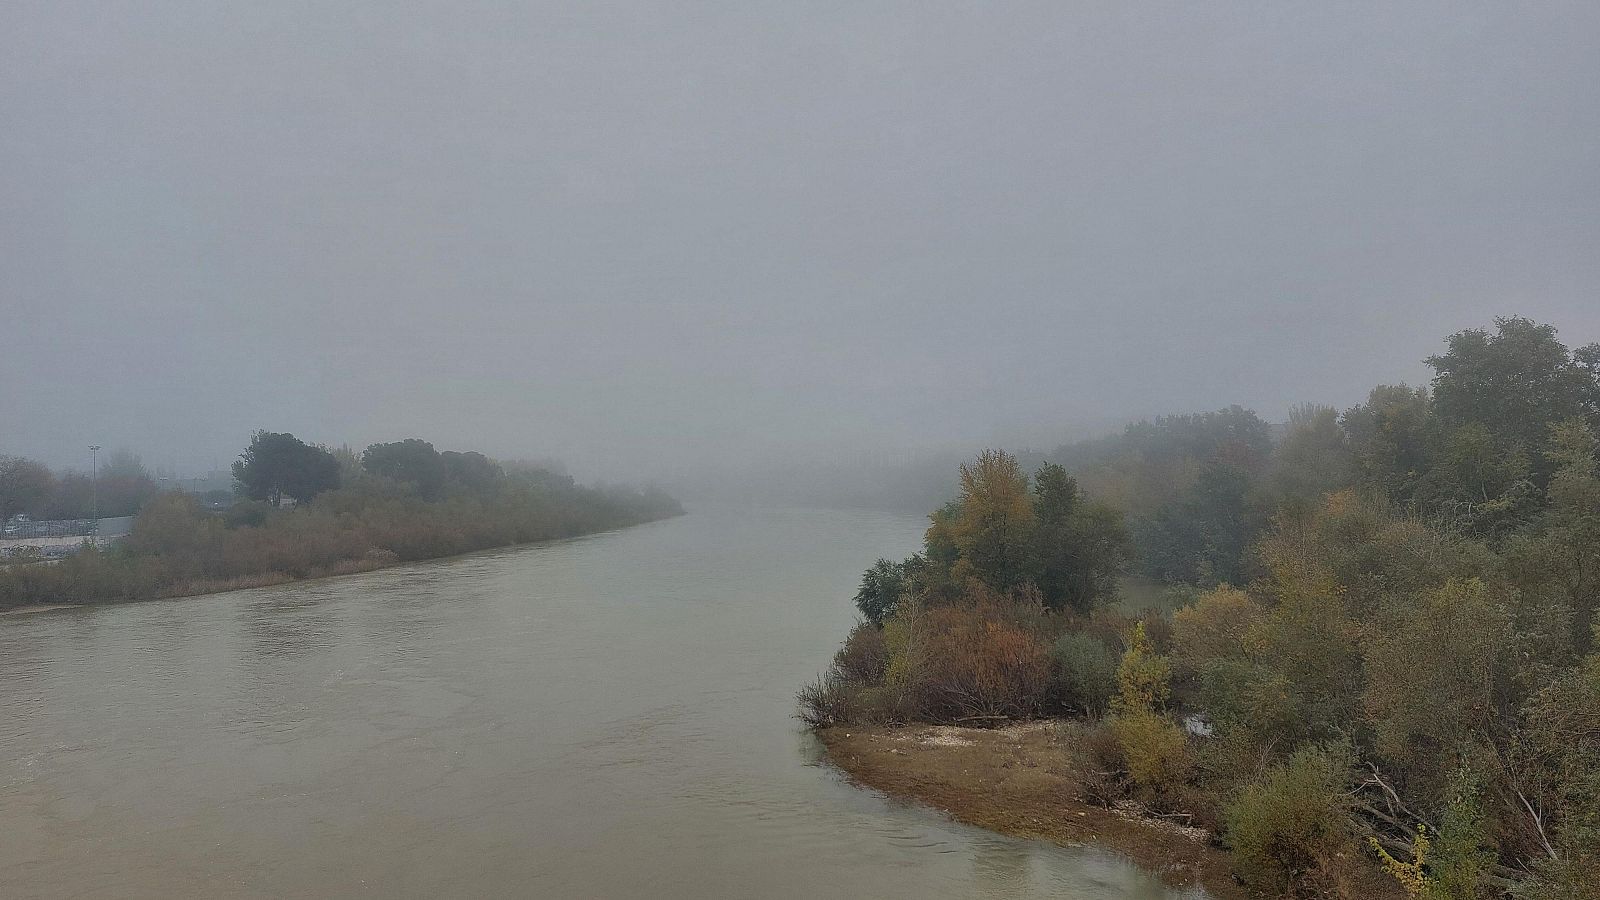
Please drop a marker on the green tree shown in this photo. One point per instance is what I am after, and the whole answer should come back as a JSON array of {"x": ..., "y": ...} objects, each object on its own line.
[
  {"x": 1079, "y": 547},
  {"x": 1571, "y": 524},
  {"x": 1518, "y": 380},
  {"x": 411, "y": 461},
  {"x": 276, "y": 465},
  {"x": 1201, "y": 537},
  {"x": 1563, "y": 738},
  {"x": 124, "y": 485},
  {"x": 1308, "y": 634},
  {"x": 1478, "y": 485},
  {"x": 881, "y": 590},
  {"x": 1392, "y": 437},
  {"x": 1144, "y": 677},
  {"x": 471, "y": 472}
]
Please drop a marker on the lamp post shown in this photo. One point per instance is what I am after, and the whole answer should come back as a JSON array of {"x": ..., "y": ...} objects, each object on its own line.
[{"x": 94, "y": 489}]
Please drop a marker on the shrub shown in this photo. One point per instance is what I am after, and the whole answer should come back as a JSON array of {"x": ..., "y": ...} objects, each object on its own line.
[
  {"x": 1085, "y": 671},
  {"x": 1290, "y": 824},
  {"x": 1158, "y": 630},
  {"x": 1432, "y": 675},
  {"x": 864, "y": 656},
  {"x": 970, "y": 665},
  {"x": 1143, "y": 676},
  {"x": 1102, "y": 780},
  {"x": 828, "y": 701},
  {"x": 1154, "y": 750},
  {"x": 1242, "y": 696},
  {"x": 1214, "y": 627}
]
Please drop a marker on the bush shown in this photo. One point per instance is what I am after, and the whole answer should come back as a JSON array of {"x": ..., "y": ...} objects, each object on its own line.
[
  {"x": 1155, "y": 751},
  {"x": 1213, "y": 628},
  {"x": 1243, "y": 697},
  {"x": 864, "y": 656},
  {"x": 828, "y": 701},
  {"x": 972, "y": 665},
  {"x": 1143, "y": 675},
  {"x": 1287, "y": 828},
  {"x": 1085, "y": 671},
  {"x": 1102, "y": 781}
]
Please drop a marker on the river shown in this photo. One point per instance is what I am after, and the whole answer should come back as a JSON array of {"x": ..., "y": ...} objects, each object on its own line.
[{"x": 604, "y": 717}]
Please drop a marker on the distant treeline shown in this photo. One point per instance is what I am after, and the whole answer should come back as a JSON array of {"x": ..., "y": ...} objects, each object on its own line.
[
  {"x": 1475, "y": 455},
  {"x": 307, "y": 511},
  {"x": 1380, "y": 670},
  {"x": 120, "y": 488}
]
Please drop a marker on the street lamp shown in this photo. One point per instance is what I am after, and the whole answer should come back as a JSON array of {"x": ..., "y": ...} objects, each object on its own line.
[{"x": 94, "y": 488}]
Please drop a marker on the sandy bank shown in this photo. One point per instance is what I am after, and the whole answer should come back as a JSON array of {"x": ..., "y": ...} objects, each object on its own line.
[{"x": 1020, "y": 781}]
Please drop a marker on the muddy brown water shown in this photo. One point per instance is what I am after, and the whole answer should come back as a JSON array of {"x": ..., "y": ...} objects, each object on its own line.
[{"x": 605, "y": 717}]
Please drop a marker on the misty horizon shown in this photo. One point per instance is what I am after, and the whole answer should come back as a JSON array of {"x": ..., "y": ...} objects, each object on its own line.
[{"x": 657, "y": 247}]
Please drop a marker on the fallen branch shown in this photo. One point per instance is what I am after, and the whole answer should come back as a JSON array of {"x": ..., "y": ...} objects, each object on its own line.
[{"x": 1538, "y": 825}]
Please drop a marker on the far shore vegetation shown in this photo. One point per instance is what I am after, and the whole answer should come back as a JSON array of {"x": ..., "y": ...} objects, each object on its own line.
[
  {"x": 302, "y": 511},
  {"x": 1366, "y": 655}
]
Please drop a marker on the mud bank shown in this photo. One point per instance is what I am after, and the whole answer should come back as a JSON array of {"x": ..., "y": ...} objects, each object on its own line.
[{"x": 1021, "y": 781}]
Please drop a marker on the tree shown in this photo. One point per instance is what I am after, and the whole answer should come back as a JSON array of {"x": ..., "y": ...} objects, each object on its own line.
[
  {"x": 25, "y": 486},
  {"x": 1214, "y": 627},
  {"x": 122, "y": 489},
  {"x": 124, "y": 485},
  {"x": 1518, "y": 381},
  {"x": 993, "y": 525},
  {"x": 1431, "y": 676},
  {"x": 881, "y": 588},
  {"x": 1201, "y": 536},
  {"x": 1570, "y": 526},
  {"x": 1564, "y": 739},
  {"x": 1392, "y": 437},
  {"x": 275, "y": 466},
  {"x": 1144, "y": 677},
  {"x": 1477, "y": 484},
  {"x": 471, "y": 472},
  {"x": 1079, "y": 548},
  {"x": 1587, "y": 359},
  {"x": 1314, "y": 457},
  {"x": 410, "y": 461}
]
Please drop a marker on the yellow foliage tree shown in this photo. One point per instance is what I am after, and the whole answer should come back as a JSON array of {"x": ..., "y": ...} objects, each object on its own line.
[
  {"x": 993, "y": 522},
  {"x": 1143, "y": 677}
]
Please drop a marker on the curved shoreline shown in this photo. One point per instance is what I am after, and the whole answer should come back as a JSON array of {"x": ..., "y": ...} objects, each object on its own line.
[
  {"x": 1019, "y": 781},
  {"x": 205, "y": 587}
]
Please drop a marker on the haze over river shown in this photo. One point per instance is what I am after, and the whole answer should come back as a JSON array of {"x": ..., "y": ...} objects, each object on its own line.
[{"x": 604, "y": 717}]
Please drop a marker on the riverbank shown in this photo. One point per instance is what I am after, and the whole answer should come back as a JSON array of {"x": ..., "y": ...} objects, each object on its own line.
[
  {"x": 97, "y": 579},
  {"x": 1023, "y": 781},
  {"x": 204, "y": 586},
  {"x": 36, "y": 608}
]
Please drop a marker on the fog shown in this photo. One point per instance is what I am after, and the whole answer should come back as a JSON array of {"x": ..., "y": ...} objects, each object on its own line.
[{"x": 662, "y": 244}]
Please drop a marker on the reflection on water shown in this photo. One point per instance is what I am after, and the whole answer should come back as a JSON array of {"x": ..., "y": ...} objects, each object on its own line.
[{"x": 605, "y": 717}]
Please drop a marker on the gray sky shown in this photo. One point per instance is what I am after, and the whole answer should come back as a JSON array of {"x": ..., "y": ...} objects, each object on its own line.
[{"x": 652, "y": 238}]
